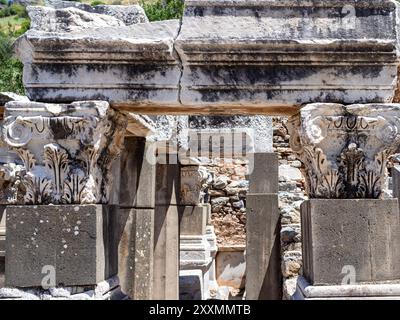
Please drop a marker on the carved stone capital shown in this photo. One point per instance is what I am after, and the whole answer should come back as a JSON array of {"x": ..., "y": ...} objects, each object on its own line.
[
  {"x": 64, "y": 152},
  {"x": 195, "y": 181},
  {"x": 344, "y": 149}
]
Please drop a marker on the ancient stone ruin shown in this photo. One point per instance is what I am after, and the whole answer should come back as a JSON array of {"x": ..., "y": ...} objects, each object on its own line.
[{"x": 241, "y": 152}]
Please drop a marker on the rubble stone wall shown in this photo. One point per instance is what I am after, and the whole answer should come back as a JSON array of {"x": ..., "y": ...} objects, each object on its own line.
[
  {"x": 291, "y": 195},
  {"x": 228, "y": 201}
]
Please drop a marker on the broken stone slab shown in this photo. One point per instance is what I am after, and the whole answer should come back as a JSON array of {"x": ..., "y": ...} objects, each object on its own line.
[
  {"x": 130, "y": 14},
  {"x": 14, "y": 293},
  {"x": 140, "y": 125},
  {"x": 68, "y": 20}
]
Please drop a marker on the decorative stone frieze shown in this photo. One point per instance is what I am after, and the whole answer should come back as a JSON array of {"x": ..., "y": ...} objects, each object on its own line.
[
  {"x": 65, "y": 152},
  {"x": 344, "y": 149}
]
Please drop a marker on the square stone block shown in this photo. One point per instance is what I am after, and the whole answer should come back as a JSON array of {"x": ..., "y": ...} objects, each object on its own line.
[
  {"x": 76, "y": 240},
  {"x": 193, "y": 220},
  {"x": 350, "y": 240}
]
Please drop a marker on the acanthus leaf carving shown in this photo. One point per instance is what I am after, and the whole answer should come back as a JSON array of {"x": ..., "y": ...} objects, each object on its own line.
[
  {"x": 66, "y": 151},
  {"x": 345, "y": 149}
]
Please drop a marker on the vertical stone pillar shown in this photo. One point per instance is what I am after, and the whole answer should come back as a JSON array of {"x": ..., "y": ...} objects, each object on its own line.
[
  {"x": 58, "y": 189},
  {"x": 350, "y": 234},
  {"x": 263, "y": 275},
  {"x": 136, "y": 218},
  {"x": 166, "y": 232}
]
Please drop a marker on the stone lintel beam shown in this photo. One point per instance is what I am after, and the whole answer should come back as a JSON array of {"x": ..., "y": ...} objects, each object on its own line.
[
  {"x": 225, "y": 57},
  {"x": 344, "y": 149},
  {"x": 59, "y": 153}
]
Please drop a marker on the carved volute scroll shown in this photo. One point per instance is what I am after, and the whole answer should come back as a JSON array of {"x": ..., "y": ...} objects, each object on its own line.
[
  {"x": 344, "y": 149},
  {"x": 65, "y": 151}
]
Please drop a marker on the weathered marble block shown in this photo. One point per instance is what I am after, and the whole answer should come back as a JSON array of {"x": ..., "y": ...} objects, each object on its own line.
[
  {"x": 74, "y": 241},
  {"x": 60, "y": 154}
]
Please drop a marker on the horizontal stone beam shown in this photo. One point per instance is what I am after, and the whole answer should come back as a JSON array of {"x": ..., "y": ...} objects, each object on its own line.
[{"x": 224, "y": 57}]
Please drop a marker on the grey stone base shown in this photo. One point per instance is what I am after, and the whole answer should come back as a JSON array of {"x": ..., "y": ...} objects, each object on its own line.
[
  {"x": 71, "y": 244},
  {"x": 362, "y": 235},
  {"x": 106, "y": 290},
  {"x": 377, "y": 291}
]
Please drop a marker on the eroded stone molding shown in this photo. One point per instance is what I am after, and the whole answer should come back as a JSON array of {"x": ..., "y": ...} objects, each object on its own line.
[
  {"x": 344, "y": 149},
  {"x": 65, "y": 151},
  {"x": 195, "y": 181}
]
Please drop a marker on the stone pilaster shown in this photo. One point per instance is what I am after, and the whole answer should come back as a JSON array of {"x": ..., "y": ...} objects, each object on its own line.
[{"x": 350, "y": 233}]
